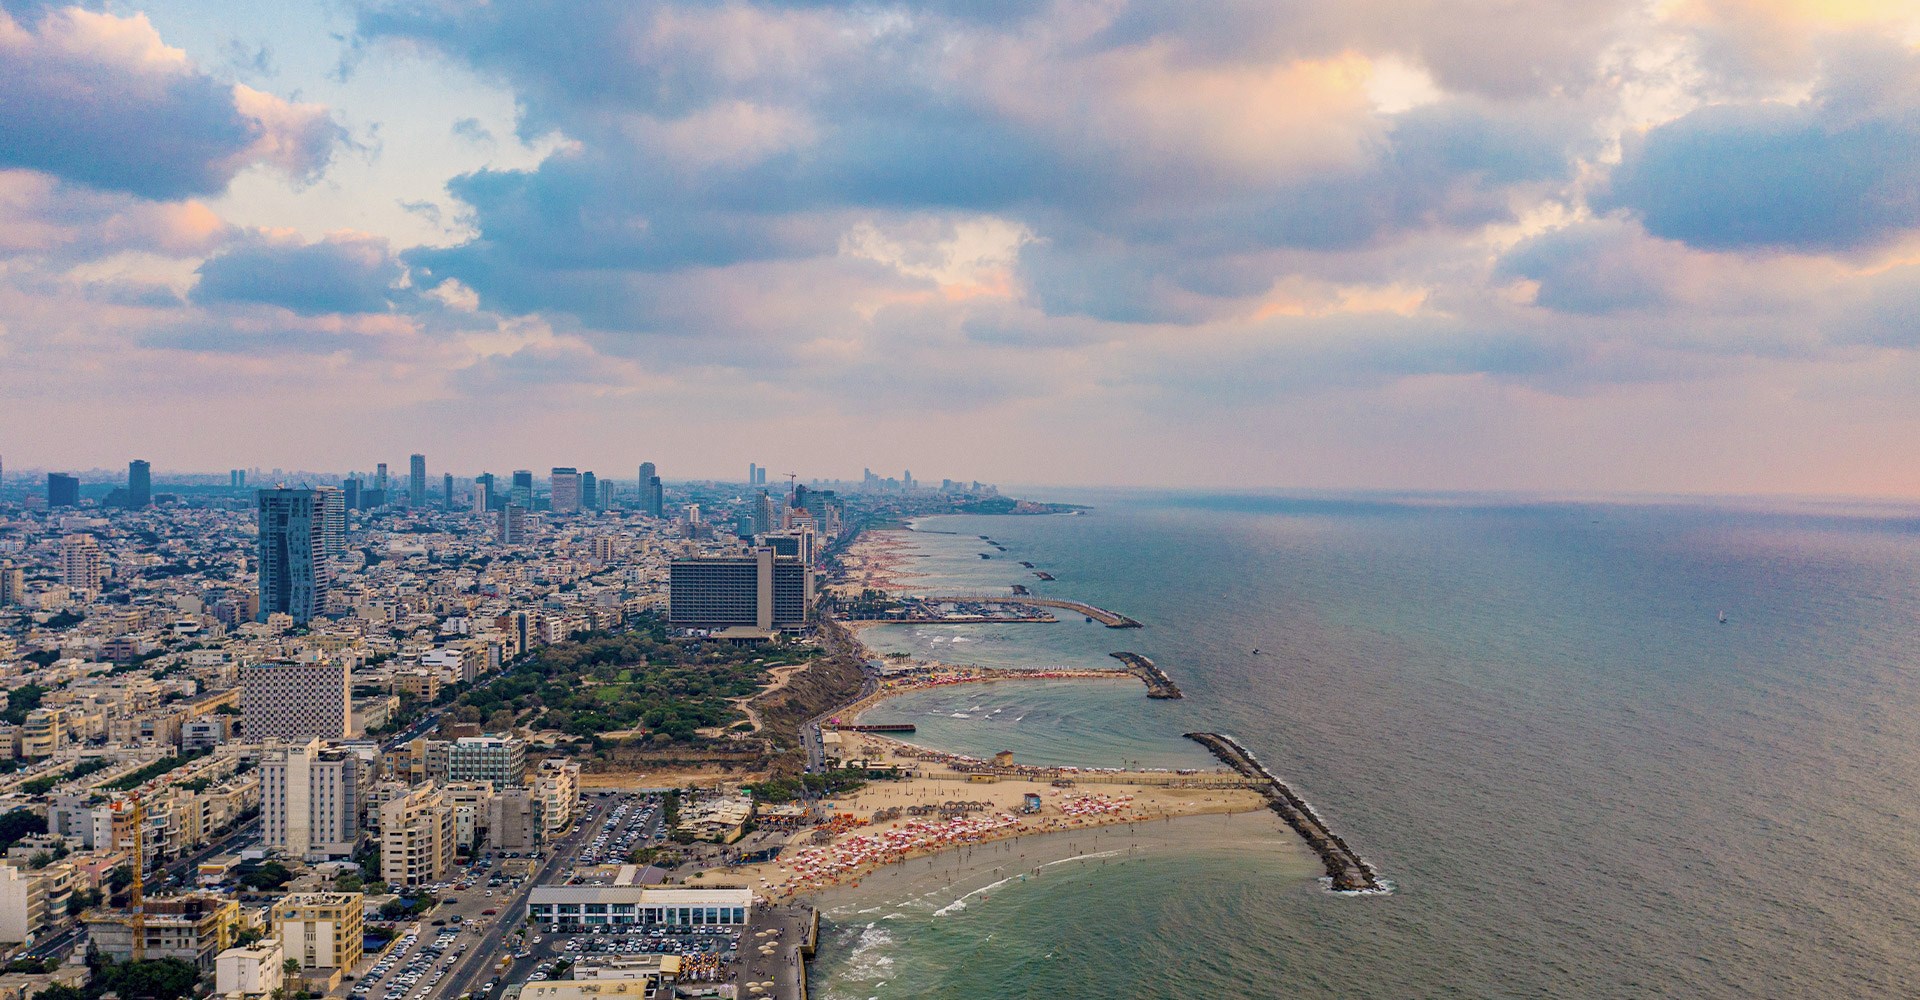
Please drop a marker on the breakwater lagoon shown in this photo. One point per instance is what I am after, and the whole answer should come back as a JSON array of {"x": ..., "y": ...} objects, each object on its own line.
[{"x": 1526, "y": 716}]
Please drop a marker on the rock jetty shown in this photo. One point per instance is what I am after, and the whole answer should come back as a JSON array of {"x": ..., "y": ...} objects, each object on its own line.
[
  {"x": 1159, "y": 685},
  {"x": 1345, "y": 869}
]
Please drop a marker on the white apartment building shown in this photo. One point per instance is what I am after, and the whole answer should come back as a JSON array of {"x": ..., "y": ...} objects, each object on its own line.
[{"x": 312, "y": 800}]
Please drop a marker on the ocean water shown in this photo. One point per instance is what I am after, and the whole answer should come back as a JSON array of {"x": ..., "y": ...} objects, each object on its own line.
[{"x": 1528, "y": 716}]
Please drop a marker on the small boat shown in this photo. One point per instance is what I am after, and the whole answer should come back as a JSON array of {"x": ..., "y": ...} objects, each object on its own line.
[
  {"x": 1256, "y": 652},
  {"x": 1723, "y": 617}
]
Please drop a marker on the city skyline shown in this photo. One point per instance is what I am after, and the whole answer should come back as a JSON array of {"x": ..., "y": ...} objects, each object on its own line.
[{"x": 1589, "y": 245}]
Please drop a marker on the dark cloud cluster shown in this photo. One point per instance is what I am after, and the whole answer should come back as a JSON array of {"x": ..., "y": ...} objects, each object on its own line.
[
  {"x": 100, "y": 100},
  {"x": 1837, "y": 172},
  {"x": 341, "y": 274}
]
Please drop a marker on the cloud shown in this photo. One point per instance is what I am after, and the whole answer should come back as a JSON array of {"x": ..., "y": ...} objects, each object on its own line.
[
  {"x": 344, "y": 273},
  {"x": 44, "y": 218},
  {"x": 473, "y": 130},
  {"x": 1831, "y": 174},
  {"x": 1147, "y": 181},
  {"x": 100, "y": 100},
  {"x": 1595, "y": 268}
]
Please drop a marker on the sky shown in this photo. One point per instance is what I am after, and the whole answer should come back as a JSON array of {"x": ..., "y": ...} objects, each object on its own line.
[{"x": 1560, "y": 245}]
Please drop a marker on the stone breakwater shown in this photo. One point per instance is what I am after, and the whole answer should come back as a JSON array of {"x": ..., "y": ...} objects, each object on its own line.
[
  {"x": 1159, "y": 685},
  {"x": 1346, "y": 871}
]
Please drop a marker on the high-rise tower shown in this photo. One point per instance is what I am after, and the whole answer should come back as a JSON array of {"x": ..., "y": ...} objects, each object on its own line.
[
  {"x": 566, "y": 490},
  {"x": 294, "y": 573},
  {"x": 417, "y": 481},
  {"x": 652, "y": 496},
  {"x": 139, "y": 484}
]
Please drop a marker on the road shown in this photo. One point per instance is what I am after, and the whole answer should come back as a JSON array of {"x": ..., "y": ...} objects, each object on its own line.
[
  {"x": 838, "y": 642},
  {"x": 483, "y": 960}
]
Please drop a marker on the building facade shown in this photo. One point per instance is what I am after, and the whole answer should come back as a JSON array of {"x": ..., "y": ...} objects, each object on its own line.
[
  {"x": 580, "y": 907},
  {"x": 763, "y": 590},
  {"x": 83, "y": 565},
  {"x": 139, "y": 484},
  {"x": 417, "y": 838},
  {"x": 296, "y": 701},
  {"x": 253, "y": 971},
  {"x": 294, "y": 572},
  {"x": 501, "y": 760},
  {"x": 193, "y": 928},
  {"x": 322, "y": 930},
  {"x": 63, "y": 490},
  {"x": 566, "y": 490},
  {"x": 556, "y": 788},
  {"x": 417, "y": 481},
  {"x": 312, "y": 800}
]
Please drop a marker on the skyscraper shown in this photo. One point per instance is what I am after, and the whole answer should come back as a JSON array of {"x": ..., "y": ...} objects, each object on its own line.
[
  {"x": 237, "y": 479},
  {"x": 762, "y": 513},
  {"x": 332, "y": 502},
  {"x": 417, "y": 481},
  {"x": 63, "y": 490},
  {"x": 589, "y": 491},
  {"x": 483, "y": 492},
  {"x": 522, "y": 491},
  {"x": 380, "y": 477},
  {"x": 352, "y": 488},
  {"x": 753, "y": 474},
  {"x": 139, "y": 484},
  {"x": 652, "y": 496},
  {"x": 294, "y": 573},
  {"x": 446, "y": 490},
  {"x": 566, "y": 490}
]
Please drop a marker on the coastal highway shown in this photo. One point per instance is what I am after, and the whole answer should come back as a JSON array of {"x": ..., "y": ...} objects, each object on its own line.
[{"x": 838, "y": 642}]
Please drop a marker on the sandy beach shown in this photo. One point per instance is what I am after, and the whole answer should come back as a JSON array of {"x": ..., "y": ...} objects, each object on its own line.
[
  {"x": 877, "y": 560},
  {"x": 948, "y": 805}
]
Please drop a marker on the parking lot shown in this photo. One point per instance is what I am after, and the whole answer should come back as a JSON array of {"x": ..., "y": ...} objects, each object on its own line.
[
  {"x": 431, "y": 948},
  {"x": 626, "y": 827},
  {"x": 707, "y": 953}
]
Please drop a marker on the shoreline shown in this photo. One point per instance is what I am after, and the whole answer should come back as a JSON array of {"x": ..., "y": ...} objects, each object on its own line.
[
  {"x": 950, "y": 802},
  {"x": 962, "y": 815},
  {"x": 1006, "y": 860}
]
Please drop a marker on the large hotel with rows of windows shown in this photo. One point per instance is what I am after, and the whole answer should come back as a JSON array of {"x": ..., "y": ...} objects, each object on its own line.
[{"x": 585, "y": 907}]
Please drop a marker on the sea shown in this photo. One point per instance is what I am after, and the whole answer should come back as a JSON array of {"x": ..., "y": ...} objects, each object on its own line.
[{"x": 1661, "y": 748}]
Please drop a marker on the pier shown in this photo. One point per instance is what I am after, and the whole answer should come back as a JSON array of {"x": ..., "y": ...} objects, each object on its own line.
[
  {"x": 1110, "y": 619},
  {"x": 1159, "y": 685},
  {"x": 877, "y": 727},
  {"x": 1345, "y": 869}
]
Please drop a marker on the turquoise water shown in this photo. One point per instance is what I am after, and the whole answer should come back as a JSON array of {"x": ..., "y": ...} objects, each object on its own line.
[{"x": 1526, "y": 715}]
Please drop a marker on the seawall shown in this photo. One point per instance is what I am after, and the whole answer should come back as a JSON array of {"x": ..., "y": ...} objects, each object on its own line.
[
  {"x": 1346, "y": 870},
  {"x": 1159, "y": 685}
]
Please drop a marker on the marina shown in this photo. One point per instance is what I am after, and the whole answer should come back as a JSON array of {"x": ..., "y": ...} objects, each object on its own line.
[{"x": 1111, "y": 619}]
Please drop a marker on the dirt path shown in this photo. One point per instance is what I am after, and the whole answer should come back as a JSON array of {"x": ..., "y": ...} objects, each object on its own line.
[{"x": 781, "y": 675}]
